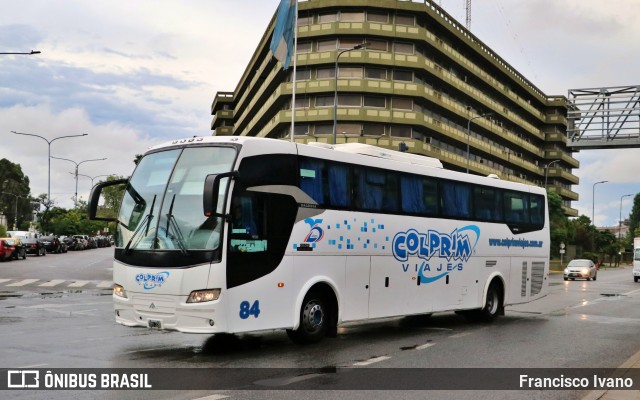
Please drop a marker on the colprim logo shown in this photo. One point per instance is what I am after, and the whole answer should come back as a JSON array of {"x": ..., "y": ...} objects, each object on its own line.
[{"x": 151, "y": 281}]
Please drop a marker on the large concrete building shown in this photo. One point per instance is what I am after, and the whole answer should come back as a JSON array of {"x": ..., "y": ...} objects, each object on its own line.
[{"x": 422, "y": 82}]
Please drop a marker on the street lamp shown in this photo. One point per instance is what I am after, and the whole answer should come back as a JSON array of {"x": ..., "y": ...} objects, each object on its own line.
[
  {"x": 49, "y": 158},
  {"x": 28, "y": 54},
  {"x": 335, "y": 89},
  {"x": 75, "y": 199},
  {"x": 593, "y": 202},
  {"x": 546, "y": 171},
  {"x": 469, "y": 134},
  {"x": 97, "y": 176},
  {"x": 620, "y": 219}
]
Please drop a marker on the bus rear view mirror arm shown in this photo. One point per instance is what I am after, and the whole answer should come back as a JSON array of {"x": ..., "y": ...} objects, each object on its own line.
[{"x": 211, "y": 192}]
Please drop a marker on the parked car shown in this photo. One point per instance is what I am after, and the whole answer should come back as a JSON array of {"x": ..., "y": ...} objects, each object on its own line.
[
  {"x": 34, "y": 246},
  {"x": 581, "y": 269},
  {"x": 83, "y": 241},
  {"x": 51, "y": 244},
  {"x": 7, "y": 246},
  {"x": 18, "y": 248},
  {"x": 70, "y": 243}
]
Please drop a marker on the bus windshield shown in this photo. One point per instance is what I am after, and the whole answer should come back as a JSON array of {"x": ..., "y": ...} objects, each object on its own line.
[{"x": 162, "y": 205}]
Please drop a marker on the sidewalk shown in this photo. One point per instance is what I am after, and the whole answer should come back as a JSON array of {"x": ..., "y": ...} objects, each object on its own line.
[{"x": 633, "y": 362}]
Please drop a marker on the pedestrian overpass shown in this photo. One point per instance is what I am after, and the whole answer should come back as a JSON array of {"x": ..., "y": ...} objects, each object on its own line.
[{"x": 604, "y": 118}]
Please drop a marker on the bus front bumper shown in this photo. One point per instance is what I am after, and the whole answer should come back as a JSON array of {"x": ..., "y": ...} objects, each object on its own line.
[{"x": 168, "y": 312}]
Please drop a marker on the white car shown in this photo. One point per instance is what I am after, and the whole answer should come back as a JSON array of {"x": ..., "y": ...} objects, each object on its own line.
[{"x": 581, "y": 269}]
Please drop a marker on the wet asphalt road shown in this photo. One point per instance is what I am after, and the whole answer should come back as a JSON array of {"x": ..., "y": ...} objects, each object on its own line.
[{"x": 70, "y": 324}]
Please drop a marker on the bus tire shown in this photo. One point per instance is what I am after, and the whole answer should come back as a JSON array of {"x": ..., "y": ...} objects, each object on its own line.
[
  {"x": 492, "y": 304},
  {"x": 314, "y": 319}
]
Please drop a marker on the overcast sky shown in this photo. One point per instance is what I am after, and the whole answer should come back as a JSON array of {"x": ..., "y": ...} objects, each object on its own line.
[{"x": 132, "y": 74}]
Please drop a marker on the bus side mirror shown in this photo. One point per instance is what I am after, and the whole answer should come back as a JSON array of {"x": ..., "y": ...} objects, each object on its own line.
[
  {"x": 94, "y": 198},
  {"x": 211, "y": 192}
]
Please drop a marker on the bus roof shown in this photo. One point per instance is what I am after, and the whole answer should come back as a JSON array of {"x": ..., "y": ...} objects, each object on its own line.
[{"x": 358, "y": 150}]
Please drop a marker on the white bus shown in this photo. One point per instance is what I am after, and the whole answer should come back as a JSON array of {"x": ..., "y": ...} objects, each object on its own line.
[{"x": 239, "y": 234}]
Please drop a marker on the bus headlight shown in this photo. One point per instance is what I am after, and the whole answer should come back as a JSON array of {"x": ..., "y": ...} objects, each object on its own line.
[
  {"x": 201, "y": 296},
  {"x": 119, "y": 291}
]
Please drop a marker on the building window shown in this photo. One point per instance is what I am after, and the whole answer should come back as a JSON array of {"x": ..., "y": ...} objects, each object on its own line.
[
  {"x": 348, "y": 129},
  {"x": 303, "y": 47},
  {"x": 352, "y": 16},
  {"x": 326, "y": 73},
  {"x": 375, "y": 101},
  {"x": 400, "y": 75},
  {"x": 323, "y": 129},
  {"x": 301, "y": 75},
  {"x": 377, "y": 45},
  {"x": 349, "y": 100},
  {"x": 400, "y": 131},
  {"x": 305, "y": 20},
  {"x": 402, "y": 103},
  {"x": 349, "y": 43},
  {"x": 375, "y": 73},
  {"x": 403, "y": 48},
  {"x": 373, "y": 129},
  {"x": 326, "y": 45},
  {"x": 377, "y": 17},
  {"x": 350, "y": 72},
  {"x": 324, "y": 101},
  {"x": 302, "y": 102},
  {"x": 328, "y": 17},
  {"x": 408, "y": 20}
]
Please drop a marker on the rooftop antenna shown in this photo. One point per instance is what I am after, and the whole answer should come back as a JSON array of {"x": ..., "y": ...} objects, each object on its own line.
[{"x": 468, "y": 20}]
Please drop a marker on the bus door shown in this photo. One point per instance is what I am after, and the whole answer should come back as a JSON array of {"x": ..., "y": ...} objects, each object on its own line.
[{"x": 356, "y": 294}]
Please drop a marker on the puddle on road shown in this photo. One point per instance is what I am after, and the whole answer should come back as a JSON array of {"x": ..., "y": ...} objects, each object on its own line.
[
  {"x": 9, "y": 320},
  {"x": 6, "y": 295}
]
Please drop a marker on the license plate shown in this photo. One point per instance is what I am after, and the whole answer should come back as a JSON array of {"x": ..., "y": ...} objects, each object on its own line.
[{"x": 153, "y": 324}]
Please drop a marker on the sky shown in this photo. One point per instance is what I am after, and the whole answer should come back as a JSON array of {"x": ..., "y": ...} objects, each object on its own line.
[{"x": 133, "y": 74}]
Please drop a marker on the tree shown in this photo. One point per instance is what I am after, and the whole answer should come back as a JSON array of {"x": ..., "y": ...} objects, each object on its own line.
[
  {"x": 15, "y": 197},
  {"x": 634, "y": 221}
]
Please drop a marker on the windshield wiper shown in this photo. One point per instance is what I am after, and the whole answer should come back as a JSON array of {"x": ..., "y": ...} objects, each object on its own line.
[
  {"x": 146, "y": 222},
  {"x": 171, "y": 222}
]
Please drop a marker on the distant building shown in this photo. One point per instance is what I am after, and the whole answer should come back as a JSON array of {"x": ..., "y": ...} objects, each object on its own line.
[
  {"x": 617, "y": 230},
  {"x": 423, "y": 81}
]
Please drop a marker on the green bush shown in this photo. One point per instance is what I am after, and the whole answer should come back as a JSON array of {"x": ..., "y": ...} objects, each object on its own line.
[{"x": 3, "y": 231}]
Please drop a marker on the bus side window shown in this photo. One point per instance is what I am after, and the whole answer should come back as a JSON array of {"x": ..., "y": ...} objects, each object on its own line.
[
  {"x": 488, "y": 204},
  {"x": 339, "y": 193},
  {"x": 311, "y": 179},
  {"x": 412, "y": 195},
  {"x": 455, "y": 199},
  {"x": 516, "y": 207},
  {"x": 536, "y": 203}
]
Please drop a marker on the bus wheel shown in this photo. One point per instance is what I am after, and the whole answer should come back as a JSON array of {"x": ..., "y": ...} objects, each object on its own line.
[
  {"x": 493, "y": 304},
  {"x": 314, "y": 320}
]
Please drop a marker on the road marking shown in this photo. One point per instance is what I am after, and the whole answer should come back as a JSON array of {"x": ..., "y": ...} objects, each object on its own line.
[
  {"x": 213, "y": 397},
  {"x": 105, "y": 284},
  {"x": 425, "y": 346},
  {"x": 32, "y": 366},
  {"x": 4, "y": 280},
  {"x": 285, "y": 381},
  {"x": 371, "y": 361},
  {"x": 78, "y": 284},
  {"x": 52, "y": 283},
  {"x": 23, "y": 282},
  {"x": 458, "y": 335}
]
